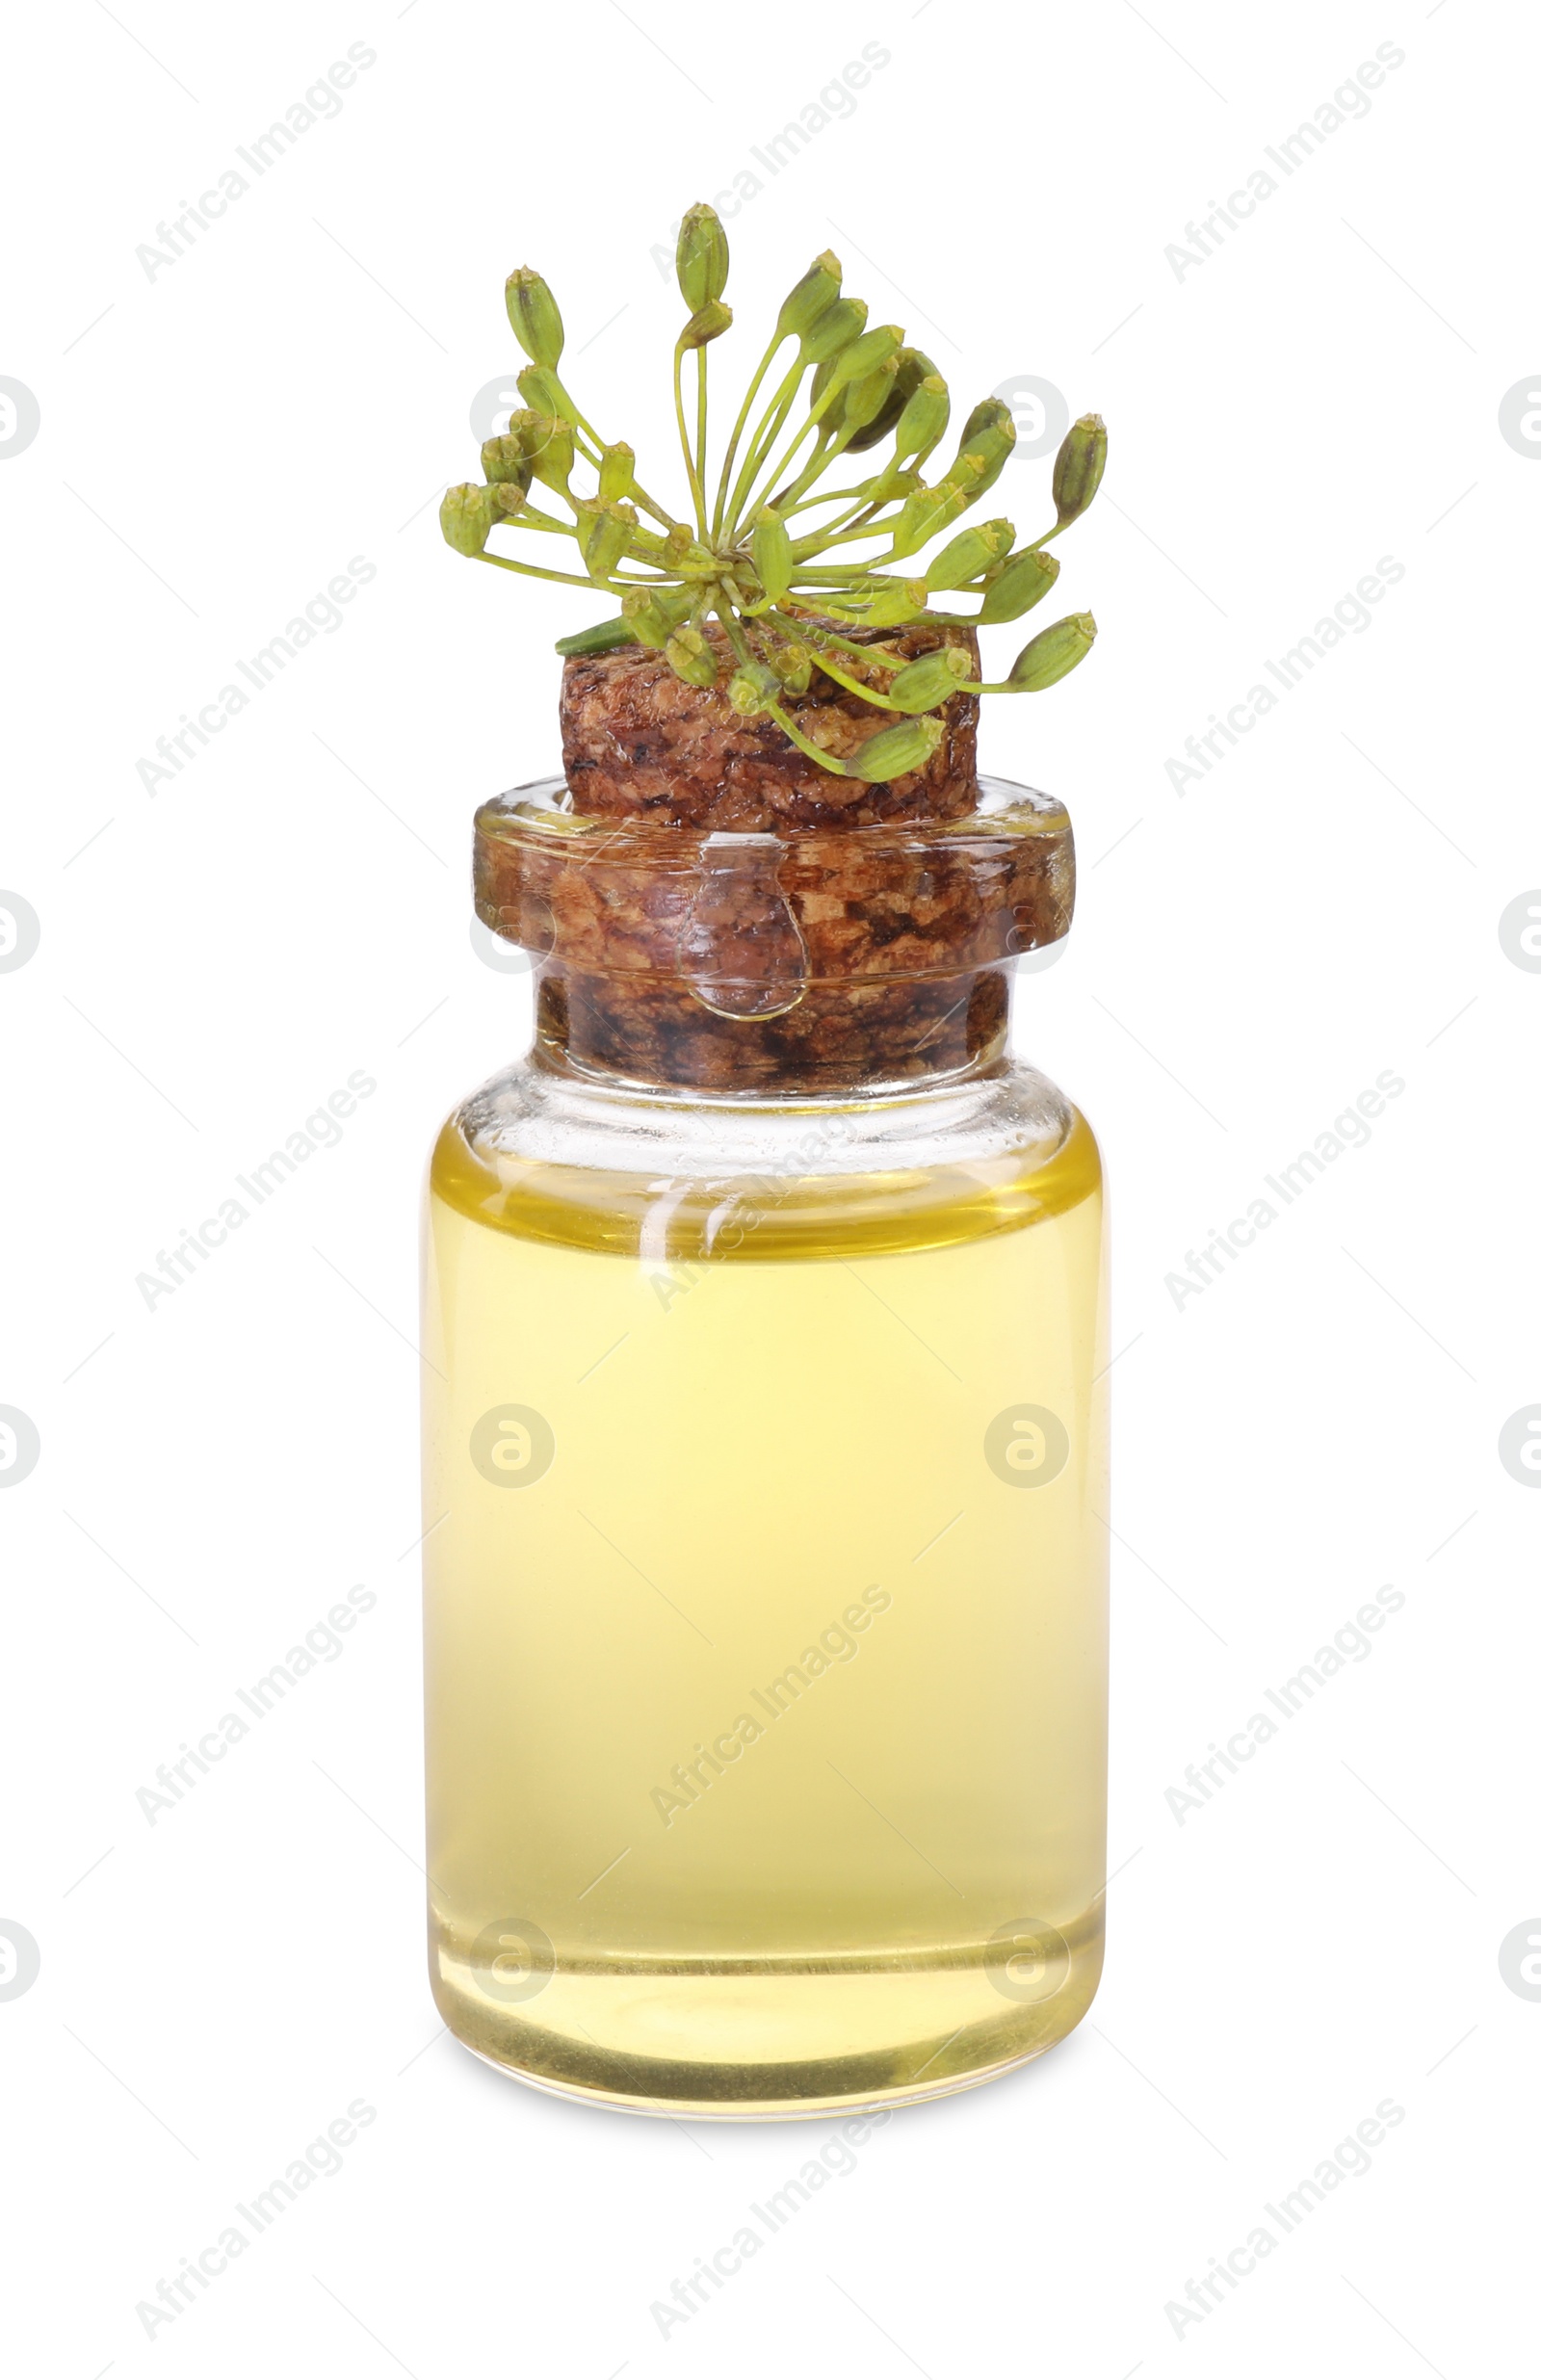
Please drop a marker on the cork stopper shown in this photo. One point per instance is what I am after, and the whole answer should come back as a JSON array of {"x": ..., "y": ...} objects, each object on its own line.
[{"x": 709, "y": 910}]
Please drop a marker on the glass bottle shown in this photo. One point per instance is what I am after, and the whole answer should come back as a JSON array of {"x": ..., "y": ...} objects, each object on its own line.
[{"x": 765, "y": 1447}]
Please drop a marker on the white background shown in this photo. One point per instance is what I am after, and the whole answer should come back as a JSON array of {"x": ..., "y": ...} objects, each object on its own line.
[{"x": 218, "y": 438}]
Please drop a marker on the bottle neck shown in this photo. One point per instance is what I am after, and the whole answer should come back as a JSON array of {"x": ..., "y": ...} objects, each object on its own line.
[{"x": 834, "y": 1039}]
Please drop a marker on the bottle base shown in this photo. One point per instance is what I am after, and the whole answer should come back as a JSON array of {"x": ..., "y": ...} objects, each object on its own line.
[{"x": 736, "y": 2042}]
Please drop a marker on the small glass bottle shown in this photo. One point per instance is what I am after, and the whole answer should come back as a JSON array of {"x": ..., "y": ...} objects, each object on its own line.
[{"x": 765, "y": 1449}]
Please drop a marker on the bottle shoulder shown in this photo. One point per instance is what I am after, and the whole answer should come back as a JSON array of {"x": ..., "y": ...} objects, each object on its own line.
[{"x": 534, "y": 1154}]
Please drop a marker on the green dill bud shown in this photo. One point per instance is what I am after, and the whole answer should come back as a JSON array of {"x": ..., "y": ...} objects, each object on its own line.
[
  {"x": 710, "y": 323},
  {"x": 504, "y": 459},
  {"x": 991, "y": 413},
  {"x": 771, "y": 549},
  {"x": 650, "y": 615},
  {"x": 606, "y": 542},
  {"x": 894, "y": 751},
  {"x": 1023, "y": 580},
  {"x": 533, "y": 313},
  {"x": 1052, "y": 653},
  {"x": 465, "y": 516},
  {"x": 690, "y": 658},
  {"x": 617, "y": 471},
  {"x": 1078, "y": 467},
  {"x": 545, "y": 443},
  {"x": 603, "y": 534},
  {"x": 923, "y": 423},
  {"x": 544, "y": 392},
  {"x": 814, "y": 295},
  {"x": 836, "y": 328},
  {"x": 989, "y": 437},
  {"x": 549, "y": 450},
  {"x": 921, "y": 685},
  {"x": 972, "y": 552},
  {"x": 965, "y": 472},
  {"x": 864, "y": 400},
  {"x": 701, "y": 257},
  {"x": 794, "y": 664},
  {"x": 865, "y": 354},
  {"x": 752, "y": 688},
  {"x": 925, "y": 514},
  {"x": 908, "y": 368},
  {"x": 526, "y": 430}
]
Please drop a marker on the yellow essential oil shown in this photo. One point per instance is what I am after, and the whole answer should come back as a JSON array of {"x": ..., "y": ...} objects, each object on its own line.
[{"x": 766, "y": 1615}]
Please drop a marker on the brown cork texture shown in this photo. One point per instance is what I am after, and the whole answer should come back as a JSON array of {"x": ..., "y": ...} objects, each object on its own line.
[{"x": 638, "y": 743}]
